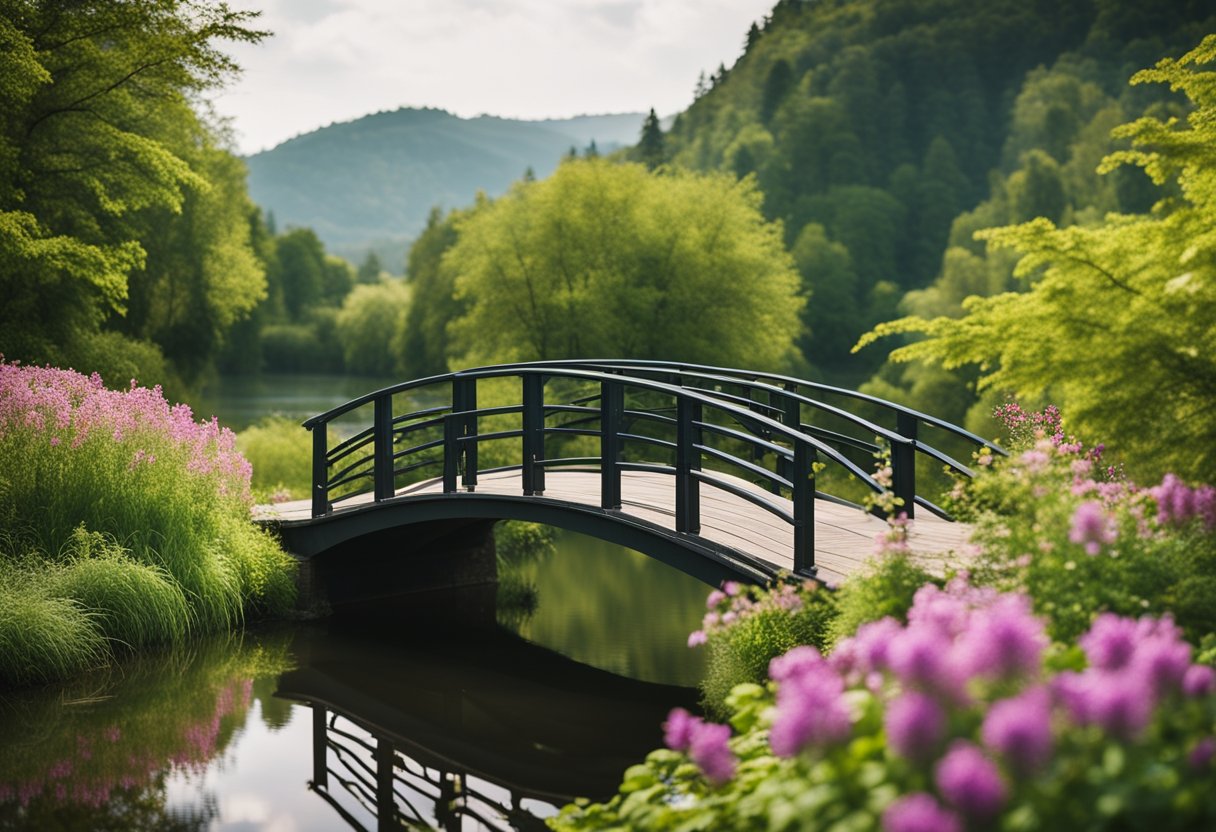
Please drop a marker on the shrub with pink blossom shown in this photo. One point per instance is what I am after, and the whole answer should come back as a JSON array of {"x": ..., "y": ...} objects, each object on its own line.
[
  {"x": 991, "y": 729},
  {"x": 126, "y": 510}
]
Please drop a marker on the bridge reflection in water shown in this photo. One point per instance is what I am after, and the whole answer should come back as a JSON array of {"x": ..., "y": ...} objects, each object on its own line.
[{"x": 488, "y": 731}]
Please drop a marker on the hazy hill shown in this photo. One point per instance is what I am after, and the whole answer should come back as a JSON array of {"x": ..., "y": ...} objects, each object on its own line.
[{"x": 369, "y": 183}]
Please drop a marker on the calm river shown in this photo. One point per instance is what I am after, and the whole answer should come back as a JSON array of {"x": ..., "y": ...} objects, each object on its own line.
[{"x": 484, "y": 708}]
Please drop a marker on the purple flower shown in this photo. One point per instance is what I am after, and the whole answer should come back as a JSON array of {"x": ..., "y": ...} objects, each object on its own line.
[
  {"x": 1198, "y": 681},
  {"x": 1110, "y": 642},
  {"x": 714, "y": 598},
  {"x": 1004, "y": 640},
  {"x": 1020, "y": 729},
  {"x": 919, "y": 658},
  {"x": 1121, "y": 703},
  {"x": 1091, "y": 527},
  {"x": 811, "y": 710},
  {"x": 796, "y": 662},
  {"x": 710, "y": 750},
  {"x": 679, "y": 728},
  {"x": 1201, "y": 755},
  {"x": 696, "y": 638},
  {"x": 866, "y": 651},
  {"x": 914, "y": 723},
  {"x": 919, "y": 812},
  {"x": 970, "y": 781}
]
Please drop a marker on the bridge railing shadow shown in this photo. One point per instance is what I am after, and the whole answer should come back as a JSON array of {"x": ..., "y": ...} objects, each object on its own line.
[{"x": 691, "y": 422}]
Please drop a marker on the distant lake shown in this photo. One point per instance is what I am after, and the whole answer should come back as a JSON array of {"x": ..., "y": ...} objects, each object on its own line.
[{"x": 240, "y": 401}]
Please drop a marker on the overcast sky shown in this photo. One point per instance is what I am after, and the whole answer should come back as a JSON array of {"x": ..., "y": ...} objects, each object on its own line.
[{"x": 336, "y": 60}]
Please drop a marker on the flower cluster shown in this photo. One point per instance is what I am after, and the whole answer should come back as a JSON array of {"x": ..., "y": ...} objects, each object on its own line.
[
  {"x": 1179, "y": 504},
  {"x": 734, "y": 603},
  {"x": 1024, "y": 426},
  {"x": 70, "y": 409},
  {"x": 705, "y": 742},
  {"x": 969, "y": 650}
]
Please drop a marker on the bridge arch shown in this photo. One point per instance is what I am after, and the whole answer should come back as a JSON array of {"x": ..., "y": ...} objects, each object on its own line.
[{"x": 717, "y": 464}]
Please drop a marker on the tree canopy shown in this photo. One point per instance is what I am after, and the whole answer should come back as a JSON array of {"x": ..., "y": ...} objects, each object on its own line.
[
  {"x": 107, "y": 172},
  {"x": 607, "y": 259},
  {"x": 1119, "y": 320}
]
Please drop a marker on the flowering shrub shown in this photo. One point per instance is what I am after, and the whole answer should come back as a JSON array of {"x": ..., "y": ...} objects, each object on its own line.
[
  {"x": 123, "y": 508},
  {"x": 953, "y": 721},
  {"x": 746, "y": 627},
  {"x": 1081, "y": 539}
]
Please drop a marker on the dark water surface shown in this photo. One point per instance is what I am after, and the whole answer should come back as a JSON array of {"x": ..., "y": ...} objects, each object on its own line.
[{"x": 422, "y": 712}]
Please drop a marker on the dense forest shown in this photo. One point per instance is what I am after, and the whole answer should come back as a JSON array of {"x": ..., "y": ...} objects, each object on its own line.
[{"x": 833, "y": 178}]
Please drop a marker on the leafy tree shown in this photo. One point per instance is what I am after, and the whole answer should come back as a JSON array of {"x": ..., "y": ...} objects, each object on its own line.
[
  {"x": 370, "y": 320},
  {"x": 100, "y": 148},
  {"x": 776, "y": 86},
  {"x": 1119, "y": 322},
  {"x": 650, "y": 148},
  {"x": 423, "y": 346},
  {"x": 369, "y": 270},
  {"x": 301, "y": 270},
  {"x": 612, "y": 260}
]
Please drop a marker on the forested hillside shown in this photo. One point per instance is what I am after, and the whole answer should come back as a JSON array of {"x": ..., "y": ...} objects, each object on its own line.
[
  {"x": 368, "y": 184},
  {"x": 874, "y": 127}
]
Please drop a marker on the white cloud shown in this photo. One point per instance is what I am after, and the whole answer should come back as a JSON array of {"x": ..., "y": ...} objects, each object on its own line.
[{"x": 334, "y": 60}]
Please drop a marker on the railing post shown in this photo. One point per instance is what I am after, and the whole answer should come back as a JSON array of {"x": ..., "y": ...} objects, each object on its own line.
[
  {"x": 804, "y": 509},
  {"x": 903, "y": 463},
  {"x": 534, "y": 433},
  {"x": 382, "y": 448},
  {"x": 612, "y": 406},
  {"x": 320, "y": 748},
  {"x": 451, "y": 451},
  {"x": 688, "y": 459},
  {"x": 791, "y": 417},
  {"x": 464, "y": 400},
  {"x": 320, "y": 470},
  {"x": 386, "y": 805}
]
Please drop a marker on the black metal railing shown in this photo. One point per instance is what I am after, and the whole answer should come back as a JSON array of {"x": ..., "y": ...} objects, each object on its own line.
[{"x": 691, "y": 422}]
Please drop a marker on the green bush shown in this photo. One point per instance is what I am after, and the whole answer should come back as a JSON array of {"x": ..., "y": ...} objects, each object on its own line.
[
  {"x": 886, "y": 588},
  {"x": 129, "y": 511},
  {"x": 280, "y": 452}
]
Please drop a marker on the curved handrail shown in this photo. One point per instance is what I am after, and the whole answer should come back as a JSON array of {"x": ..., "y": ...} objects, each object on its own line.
[{"x": 771, "y": 425}]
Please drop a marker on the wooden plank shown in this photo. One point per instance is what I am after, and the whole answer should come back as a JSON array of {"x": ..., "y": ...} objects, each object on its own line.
[{"x": 844, "y": 536}]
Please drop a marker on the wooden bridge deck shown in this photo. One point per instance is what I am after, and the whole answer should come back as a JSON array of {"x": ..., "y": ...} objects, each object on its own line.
[{"x": 844, "y": 536}]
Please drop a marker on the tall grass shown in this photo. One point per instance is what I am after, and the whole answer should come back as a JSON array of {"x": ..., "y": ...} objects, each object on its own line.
[{"x": 127, "y": 510}]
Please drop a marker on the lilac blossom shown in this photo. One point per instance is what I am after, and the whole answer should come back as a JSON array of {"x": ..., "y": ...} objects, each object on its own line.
[
  {"x": 970, "y": 781},
  {"x": 919, "y": 812},
  {"x": 709, "y": 749},
  {"x": 1092, "y": 527},
  {"x": 1003, "y": 640},
  {"x": 914, "y": 723},
  {"x": 1019, "y": 729},
  {"x": 1200, "y": 680},
  {"x": 811, "y": 710},
  {"x": 678, "y": 729}
]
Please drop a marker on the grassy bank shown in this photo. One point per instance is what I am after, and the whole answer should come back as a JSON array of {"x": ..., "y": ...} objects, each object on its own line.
[{"x": 125, "y": 523}]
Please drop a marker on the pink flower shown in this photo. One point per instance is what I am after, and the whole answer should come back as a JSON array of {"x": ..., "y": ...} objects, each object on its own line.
[
  {"x": 811, "y": 709},
  {"x": 1020, "y": 730},
  {"x": 919, "y": 812},
  {"x": 1201, "y": 755},
  {"x": 677, "y": 730},
  {"x": 970, "y": 781},
  {"x": 914, "y": 724},
  {"x": 1004, "y": 640},
  {"x": 710, "y": 750},
  {"x": 696, "y": 638},
  {"x": 1198, "y": 681},
  {"x": 1091, "y": 527}
]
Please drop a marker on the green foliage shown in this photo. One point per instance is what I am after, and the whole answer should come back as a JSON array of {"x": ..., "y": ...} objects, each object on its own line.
[
  {"x": 43, "y": 636},
  {"x": 604, "y": 259},
  {"x": 747, "y": 630},
  {"x": 117, "y": 506},
  {"x": 885, "y": 588},
  {"x": 368, "y": 326},
  {"x": 433, "y": 301},
  {"x": 280, "y": 452},
  {"x": 1140, "y": 374},
  {"x": 114, "y": 199}
]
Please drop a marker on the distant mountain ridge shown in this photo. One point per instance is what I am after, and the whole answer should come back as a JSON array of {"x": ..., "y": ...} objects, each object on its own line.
[{"x": 369, "y": 184}]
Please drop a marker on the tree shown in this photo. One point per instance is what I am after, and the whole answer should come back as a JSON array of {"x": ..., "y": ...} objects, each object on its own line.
[
  {"x": 650, "y": 148},
  {"x": 776, "y": 86},
  {"x": 423, "y": 345},
  {"x": 370, "y": 320},
  {"x": 99, "y": 147},
  {"x": 613, "y": 260},
  {"x": 370, "y": 269},
  {"x": 1119, "y": 323}
]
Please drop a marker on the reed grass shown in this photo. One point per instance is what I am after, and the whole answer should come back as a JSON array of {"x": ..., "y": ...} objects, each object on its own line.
[{"x": 127, "y": 518}]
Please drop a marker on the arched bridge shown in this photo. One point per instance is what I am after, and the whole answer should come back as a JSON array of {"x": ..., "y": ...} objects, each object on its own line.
[{"x": 718, "y": 472}]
